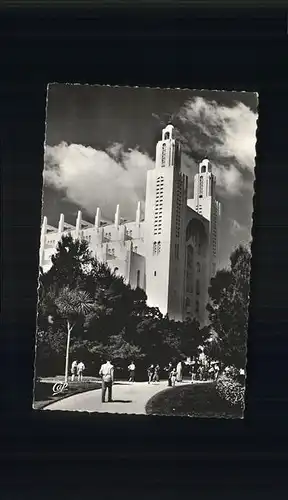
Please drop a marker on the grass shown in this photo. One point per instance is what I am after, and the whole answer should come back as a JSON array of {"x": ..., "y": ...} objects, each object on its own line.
[
  {"x": 194, "y": 400},
  {"x": 43, "y": 394}
]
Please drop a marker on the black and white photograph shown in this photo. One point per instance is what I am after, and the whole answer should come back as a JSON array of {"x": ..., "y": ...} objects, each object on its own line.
[{"x": 145, "y": 251}]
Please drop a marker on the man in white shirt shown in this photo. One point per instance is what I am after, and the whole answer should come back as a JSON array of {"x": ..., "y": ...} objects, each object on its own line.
[
  {"x": 131, "y": 369},
  {"x": 80, "y": 369},
  {"x": 107, "y": 374}
]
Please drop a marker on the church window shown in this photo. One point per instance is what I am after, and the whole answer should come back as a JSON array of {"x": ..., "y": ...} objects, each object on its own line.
[
  {"x": 138, "y": 278},
  {"x": 177, "y": 251},
  {"x": 198, "y": 267},
  {"x": 154, "y": 247},
  {"x": 154, "y": 273},
  {"x": 197, "y": 307},
  {"x": 203, "y": 169},
  {"x": 163, "y": 158},
  {"x": 167, "y": 136},
  {"x": 197, "y": 287},
  {"x": 187, "y": 302},
  {"x": 190, "y": 257},
  {"x": 201, "y": 187}
]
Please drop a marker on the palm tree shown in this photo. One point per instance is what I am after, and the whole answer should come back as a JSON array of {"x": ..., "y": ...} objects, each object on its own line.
[{"x": 72, "y": 303}]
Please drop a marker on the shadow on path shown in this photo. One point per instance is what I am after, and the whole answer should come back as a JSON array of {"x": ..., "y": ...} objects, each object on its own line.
[{"x": 121, "y": 401}]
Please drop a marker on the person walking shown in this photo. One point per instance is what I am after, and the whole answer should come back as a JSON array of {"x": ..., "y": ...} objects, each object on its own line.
[
  {"x": 217, "y": 371},
  {"x": 211, "y": 372},
  {"x": 107, "y": 374},
  {"x": 150, "y": 372},
  {"x": 173, "y": 377},
  {"x": 131, "y": 369},
  {"x": 156, "y": 377},
  {"x": 193, "y": 370},
  {"x": 74, "y": 370},
  {"x": 179, "y": 372},
  {"x": 80, "y": 370},
  {"x": 169, "y": 369}
]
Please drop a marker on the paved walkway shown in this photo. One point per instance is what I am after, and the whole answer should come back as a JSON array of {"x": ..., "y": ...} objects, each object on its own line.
[{"x": 127, "y": 398}]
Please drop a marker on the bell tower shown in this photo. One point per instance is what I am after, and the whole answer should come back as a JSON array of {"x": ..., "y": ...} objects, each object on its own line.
[
  {"x": 166, "y": 200},
  {"x": 205, "y": 203}
]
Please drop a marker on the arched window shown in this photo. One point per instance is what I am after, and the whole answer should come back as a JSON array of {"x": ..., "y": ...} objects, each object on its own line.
[
  {"x": 197, "y": 287},
  {"x": 203, "y": 169},
  {"x": 138, "y": 278},
  {"x": 188, "y": 303},
  {"x": 154, "y": 247},
  {"x": 198, "y": 267},
  {"x": 167, "y": 136}
]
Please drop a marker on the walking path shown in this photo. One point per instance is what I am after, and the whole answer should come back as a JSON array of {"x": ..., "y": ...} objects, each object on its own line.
[{"x": 130, "y": 398}]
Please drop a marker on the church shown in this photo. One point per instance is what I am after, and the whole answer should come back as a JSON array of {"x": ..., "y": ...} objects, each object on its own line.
[{"x": 172, "y": 252}]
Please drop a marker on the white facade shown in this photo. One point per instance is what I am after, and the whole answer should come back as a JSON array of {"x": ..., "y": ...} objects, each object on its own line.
[{"x": 172, "y": 254}]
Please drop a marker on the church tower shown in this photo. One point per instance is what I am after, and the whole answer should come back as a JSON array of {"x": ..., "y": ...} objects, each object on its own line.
[
  {"x": 166, "y": 202},
  {"x": 205, "y": 203}
]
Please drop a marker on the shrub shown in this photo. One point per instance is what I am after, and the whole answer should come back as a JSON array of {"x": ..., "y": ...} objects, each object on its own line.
[{"x": 231, "y": 390}]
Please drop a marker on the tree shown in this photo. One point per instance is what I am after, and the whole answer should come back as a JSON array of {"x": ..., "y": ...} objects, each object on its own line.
[
  {"x": 70, "y": 264},
  {"x": 228, "y": 307},
  {"x": 72, "y": 303}
]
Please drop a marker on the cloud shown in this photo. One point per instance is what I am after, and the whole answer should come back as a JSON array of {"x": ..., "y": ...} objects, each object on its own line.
[
  {"x": 227, "y": 135},
  {"x": 236, "y": 228},
  {"x": 93, "y": 178},
  {"x": 229, "y": 180}
]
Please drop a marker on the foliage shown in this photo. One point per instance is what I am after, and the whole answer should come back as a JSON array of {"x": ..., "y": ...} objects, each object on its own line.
[
  {"x": 72, "y": 303},
  {"x": 193, "y": 400},
  {"x": 50, "y": 351},
  {"x": 71, "y": 264},
  {"x": 108, "y": 317},
  {"x": 231, "y": 391},
  {"x": 228, "y": 309}
]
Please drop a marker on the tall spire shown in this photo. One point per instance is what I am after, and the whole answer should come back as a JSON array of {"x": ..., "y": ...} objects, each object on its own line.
[
  {"x": 97, "y": 218},
  {"x": 78, "y": 223},
  {"x": 61, "y": 224},
  {"x": 44, "y": 227},
  {"x": 117, "y": 216},
  {"x": 138, "y": 212}
]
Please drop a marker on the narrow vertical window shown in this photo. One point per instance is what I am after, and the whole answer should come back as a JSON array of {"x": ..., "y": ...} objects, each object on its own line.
[
  {"x": 138, "y": 278},
  {"x": 197, "y": 307},
  {"x": 201, "y": 187}
]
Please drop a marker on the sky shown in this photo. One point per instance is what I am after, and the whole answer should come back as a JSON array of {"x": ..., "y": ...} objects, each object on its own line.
[{"x": 100, "y": 141}]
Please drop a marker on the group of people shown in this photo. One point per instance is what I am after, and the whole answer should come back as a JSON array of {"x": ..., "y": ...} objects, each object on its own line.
[
  {"x": 198, "y": 368},
  {"x": 77, "y": 370},
  {"x": 204, "y": 370}
]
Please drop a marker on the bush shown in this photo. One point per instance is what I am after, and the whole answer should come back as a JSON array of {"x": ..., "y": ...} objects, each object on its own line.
[{"x": 231, "y": 390}]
